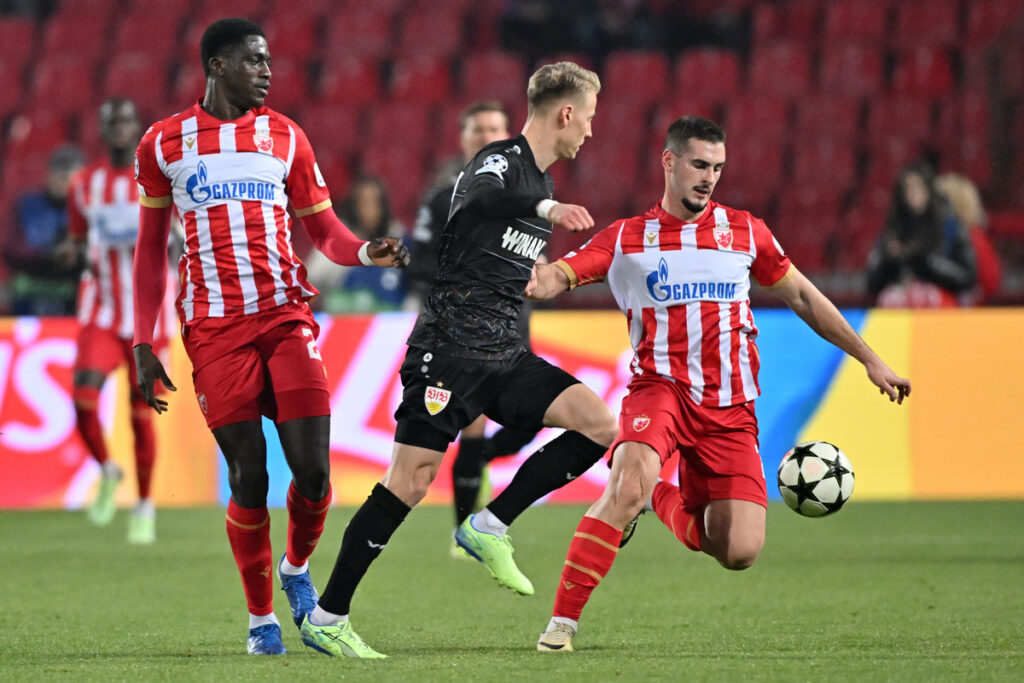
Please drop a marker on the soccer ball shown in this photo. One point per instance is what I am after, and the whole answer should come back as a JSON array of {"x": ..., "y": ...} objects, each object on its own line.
[{"x": 815, "y": 478}]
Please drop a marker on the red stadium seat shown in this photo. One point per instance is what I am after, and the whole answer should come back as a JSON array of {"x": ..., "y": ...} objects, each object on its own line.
[
  {"x": 350, "y": 80},
  {"x": 152, "y": 33},
  {"x": 63, "y": 83},
  {"x": 886, "y": 157},
  {"x": 802, "y": 199},
  {"x": 141, "y": 77},
  {"x": 393, "y": 124},
  {"x": 63, "y": 37},
  {"x": 292, "y": 36},
  {"x": 796, "y": 20},
  {"x": 667, "y": 112},
  {"x": 826, "y": 164},
  {"x": 645, "y": 75},
  {"x": 188, "y": 87},
  {"x": 850, "y": 69},
  {"x": 604, "y": 174},
  {"x": 18, "y": 36},
  {"x": 924, "y": 71},
  {"x": 289, "y": 84},
  {"x": 429, "y": 31},
  {"x": 708, "y": 73},
  {"x": 11, "y": 81},
  {"x": 364, "y": 32},
  {"x": 401, "y": 169},
  {"x": 963, "y": 114},
  {"x": 820, "y": 115},
  {"x": 926, "y": 22},
  {"x": 781, "y": 69},
  {"x": 421, "y": 78},
  {"x": 26, "y": 171},
  {"x": 493, "y": 75},
  {"x": 332, "y": 126},
  {"x": 753, "y": 173},
  {"x": 903, "y": 115},
  {"x": 766, "y": 117},
  {"x": 988, "y": 19},
  {"x": 859, "y": 20},
  {"x": 858, "y": 231},
  {"x": 805, "y": 238}
]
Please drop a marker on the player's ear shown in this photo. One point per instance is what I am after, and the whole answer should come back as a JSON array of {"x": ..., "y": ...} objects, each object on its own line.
[
  {"x": 565, "y": 115},
  {"x": 667, "y": 159}
]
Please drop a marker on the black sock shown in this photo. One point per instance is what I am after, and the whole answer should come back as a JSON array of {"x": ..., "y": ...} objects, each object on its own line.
[
  {"x": 551, "y": 467},
  {"x": 367, "y": 533},
  {"x": 469, "y": 464},
  {"x": 508, "y": 441}
]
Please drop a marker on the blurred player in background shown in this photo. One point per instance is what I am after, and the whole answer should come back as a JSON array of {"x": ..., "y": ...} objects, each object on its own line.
[
  {"x": 103, "y": 221},
  {"x": 466, "y": 357},
  {"x": 480, "y": 124},
  {"x": 681, "y": 274},
  {"x": 232, "y": 168}
]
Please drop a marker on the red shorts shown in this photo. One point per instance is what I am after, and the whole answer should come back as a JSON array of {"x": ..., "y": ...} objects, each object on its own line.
[
  {"x": 266, "y": 363},
  {"x": 101, "y": 349},
  {"x": 718, "y": 454}
]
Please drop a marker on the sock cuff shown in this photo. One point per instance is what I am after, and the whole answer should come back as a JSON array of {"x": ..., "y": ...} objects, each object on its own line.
[
  {"x": 248, "y": 519},
  {"x": 388, "y": 502},
  {"x": 602, "y": 531},
  {"x": 578, "y": 440},
  {"x": 316, "y": 507},
  {"x": 85, "y": 396}
]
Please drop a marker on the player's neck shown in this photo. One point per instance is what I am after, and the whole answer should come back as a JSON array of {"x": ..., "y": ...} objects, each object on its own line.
[
  {"x": 542, "y": 143},
  {"x": 121, "y": 158},
  {"x": 216, "y": 105},
  {"x": 674, "y": 207}
]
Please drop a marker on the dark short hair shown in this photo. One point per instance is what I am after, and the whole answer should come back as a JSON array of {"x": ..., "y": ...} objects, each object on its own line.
[
  {"x": 690, "y": 126},
  {"x": 224, "y": 34},
  {"x": 481, "y": 106},
  {"x": 65, "y": 158}
]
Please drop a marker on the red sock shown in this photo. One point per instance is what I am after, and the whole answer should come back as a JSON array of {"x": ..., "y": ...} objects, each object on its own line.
[
  {"x": 249, "y": 534},
  {"x": 145, "y": 448},
  {"x": 668, "y": 505},
  {"x": 88, "y": 420},
  {"x": 591, "y": 554},
  {"x": 305, "y": 524}
]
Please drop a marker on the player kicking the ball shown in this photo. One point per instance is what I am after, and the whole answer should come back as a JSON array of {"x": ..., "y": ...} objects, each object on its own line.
[
  {"x": 681, "y": 275},
  {"x": 232, "y": 167},
  {"x": 467, "y": 358}
]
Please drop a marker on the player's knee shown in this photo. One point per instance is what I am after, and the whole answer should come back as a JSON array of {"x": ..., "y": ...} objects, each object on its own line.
[
  {"x": 739, "y": 554},
  {"x": 600, "y": 425},
  {"x": 248, "y": 487},
  {"x": 313, "y": 480}
]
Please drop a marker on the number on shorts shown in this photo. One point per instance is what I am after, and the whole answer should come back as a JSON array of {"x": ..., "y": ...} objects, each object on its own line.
[{"x": 311, "y": 346}]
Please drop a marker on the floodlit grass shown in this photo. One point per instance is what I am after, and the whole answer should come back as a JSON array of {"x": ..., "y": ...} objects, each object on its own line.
[{"x": 880, "y": 591}]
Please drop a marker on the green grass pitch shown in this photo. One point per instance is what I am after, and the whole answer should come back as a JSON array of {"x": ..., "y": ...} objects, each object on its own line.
[{"x": 880, "y": 591}]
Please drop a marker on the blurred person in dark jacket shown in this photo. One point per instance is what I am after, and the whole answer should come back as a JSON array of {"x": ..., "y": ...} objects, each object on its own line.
[{"x": 923, "y": 258}]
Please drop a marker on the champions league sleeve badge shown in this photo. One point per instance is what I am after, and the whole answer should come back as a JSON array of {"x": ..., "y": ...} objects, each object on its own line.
[
  {"x": 436, "y": 399},
  {"x": 495, "y": 164}
]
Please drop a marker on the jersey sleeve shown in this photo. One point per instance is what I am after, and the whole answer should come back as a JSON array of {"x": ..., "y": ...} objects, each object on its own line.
[
  {"x": 770, "y": 263},
  {"x": 590, "y": 263},
  {"x": 78, "y": 227},
  {"x": 305, "y": 185},
  {"x": 154, "y": 185}
]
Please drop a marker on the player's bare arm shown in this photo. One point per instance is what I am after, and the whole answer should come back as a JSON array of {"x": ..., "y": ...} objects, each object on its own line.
[
  {"x": 821, "y": 315},
  {"x": 572, "y": 217},
  {"x": 547, "y": 281},
  {"x": 336, "y": 241},
  {"x": 388, "y": 252}
]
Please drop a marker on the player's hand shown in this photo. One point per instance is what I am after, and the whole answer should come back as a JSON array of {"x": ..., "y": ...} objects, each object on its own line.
[
  {"x": 888, "y": 382},
  {"x": 149, "y": 369},
  {"x": 531, "y": 286},
  {"x": 572, "y": 217},
  {"x": 388, "y": 252}
]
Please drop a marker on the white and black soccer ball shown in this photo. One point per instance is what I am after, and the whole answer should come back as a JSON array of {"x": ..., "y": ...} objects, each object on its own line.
[{"x": 815, "y": 478}]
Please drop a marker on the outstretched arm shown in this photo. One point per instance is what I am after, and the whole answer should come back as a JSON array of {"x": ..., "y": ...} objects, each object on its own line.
[
  {"x": 547, "y": 281},
  {"x": 337, "y": 242},
  {"x": 821, "y": 315}
]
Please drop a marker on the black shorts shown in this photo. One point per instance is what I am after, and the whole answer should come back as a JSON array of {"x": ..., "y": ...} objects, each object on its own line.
[{"x": 442, "y": 394}]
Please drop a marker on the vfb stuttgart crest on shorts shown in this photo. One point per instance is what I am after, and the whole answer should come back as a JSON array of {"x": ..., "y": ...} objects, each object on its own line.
[
  {"x": 436, "y": 399},
  {"x": 640, "y": 423}
]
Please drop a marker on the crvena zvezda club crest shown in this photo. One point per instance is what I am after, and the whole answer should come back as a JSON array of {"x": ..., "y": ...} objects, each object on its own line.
[
  {"x": 640, "y": 423},
  {"x": 723, "y": 237},
  {"x": 263, "y": 141},
  {"x": 436, "y": 398}
]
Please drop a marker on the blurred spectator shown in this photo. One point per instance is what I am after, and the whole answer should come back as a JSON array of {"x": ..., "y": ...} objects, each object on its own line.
[
  {"x": 360, "y": 289},
  {"x": 923, "y": 258},
  {"x": 966, "y": 202},
  {"x": 44, "y": 279}
]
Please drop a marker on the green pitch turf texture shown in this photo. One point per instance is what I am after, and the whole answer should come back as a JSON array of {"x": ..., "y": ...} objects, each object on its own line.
[{"x": 880, "y": 591}]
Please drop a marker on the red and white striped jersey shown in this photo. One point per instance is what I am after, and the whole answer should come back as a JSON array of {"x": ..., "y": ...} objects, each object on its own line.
[
  {"x": 685, "y": 291},
  {"x": 231, "y": 182},
  {"x": 103, "y": 210}
]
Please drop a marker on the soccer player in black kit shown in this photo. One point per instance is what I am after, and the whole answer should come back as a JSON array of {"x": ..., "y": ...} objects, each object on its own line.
[{"x": 466, "y": 357}]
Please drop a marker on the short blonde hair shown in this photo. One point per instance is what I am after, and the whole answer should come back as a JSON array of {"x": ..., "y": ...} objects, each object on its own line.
[
  {"x": 964, "y": 197},
  {"x": 558, "y": 81}
]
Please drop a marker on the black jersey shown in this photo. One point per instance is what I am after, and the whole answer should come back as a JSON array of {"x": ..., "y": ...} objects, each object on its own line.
[{"x": 487, "y": 251}]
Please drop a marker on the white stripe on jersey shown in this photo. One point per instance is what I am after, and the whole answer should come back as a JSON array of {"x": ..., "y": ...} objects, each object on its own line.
[
  {"x": 189, "y": 132},
  {"x": 105, "y": 314},
  {"x": 243, "y": 263},
  {"x": 87, "y": 297},
  {"x": 209, "y": 264},
  {"x": 749, "y": 386},
  {"x": 274, "y": 254},
  {"x": 725, "y": 339},
  {"x": 161, "y": 162},
  {"x": 227, "y": 138},
  {"x": 694, "y": 334},
  {"x": 291, "y": 148},
  {"x": 124, "y": 267}
]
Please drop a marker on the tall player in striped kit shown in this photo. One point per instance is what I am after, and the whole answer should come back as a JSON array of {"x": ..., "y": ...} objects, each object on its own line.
[
  {"x": 232, "y": 168},
  {"x": 681, "y": 274},
  {"x": 103, "y": 220}
]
